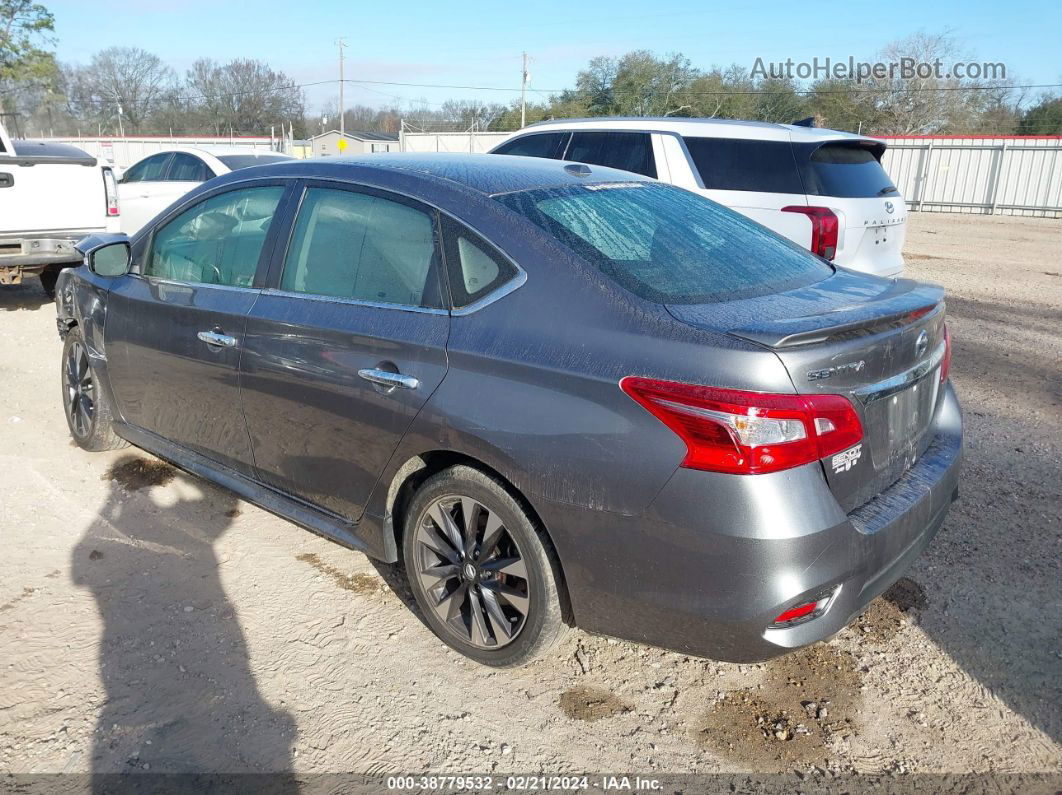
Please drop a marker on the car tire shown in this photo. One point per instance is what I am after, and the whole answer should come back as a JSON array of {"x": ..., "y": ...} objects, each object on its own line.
[
  {"x": 87, "y": 407},
  {"x": 48, "y": 277},
  {"x": 510, "y": 607}
]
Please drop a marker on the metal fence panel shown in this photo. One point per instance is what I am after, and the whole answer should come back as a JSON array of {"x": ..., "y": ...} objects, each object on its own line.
[
  {"x": 123, "y": 152},
  {"x": 1005, "y": 175}
]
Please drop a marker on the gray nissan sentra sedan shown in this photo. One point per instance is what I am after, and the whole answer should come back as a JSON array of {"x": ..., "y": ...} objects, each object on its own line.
[{"x": 559, "y": 394}]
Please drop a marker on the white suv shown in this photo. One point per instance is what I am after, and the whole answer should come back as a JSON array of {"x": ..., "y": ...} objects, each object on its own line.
[{"x": 823, "y": 189}]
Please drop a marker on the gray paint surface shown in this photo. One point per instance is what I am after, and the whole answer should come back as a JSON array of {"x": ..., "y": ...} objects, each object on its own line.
[{"x": 527, "y": 386}]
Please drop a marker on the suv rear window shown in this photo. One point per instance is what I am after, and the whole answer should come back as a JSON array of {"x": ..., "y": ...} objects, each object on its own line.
[
  {"x": 628, "y": 151},
  {"x": 847, "y": 170},
  {"x": 739, "y": 164},
  {"x": 668, "y": 245},
  {"x": 550, "y": 145}
]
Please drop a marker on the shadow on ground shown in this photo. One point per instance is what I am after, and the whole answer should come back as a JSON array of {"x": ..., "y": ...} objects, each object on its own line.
[
  {"x": 992, "y": 574},
  {"x": 26, "y": 296},
  {"x": 181, "y": 696}
]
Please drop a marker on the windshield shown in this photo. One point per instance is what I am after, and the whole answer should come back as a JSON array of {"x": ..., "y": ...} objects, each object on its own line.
[
  {"x": 668, "y": 245},
  {"x": 234, "y": 162}
]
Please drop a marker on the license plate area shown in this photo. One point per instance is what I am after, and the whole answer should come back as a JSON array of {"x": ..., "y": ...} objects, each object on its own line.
[{"x": 897, "y": 421}]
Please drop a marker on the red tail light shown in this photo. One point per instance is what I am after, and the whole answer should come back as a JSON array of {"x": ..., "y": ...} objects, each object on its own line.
[
  {"x": 945, "y": 364},
  {"x": 747, "y": 433},
  {"x": 824, "y": 229},
  {"x": 110, "y": 191}
]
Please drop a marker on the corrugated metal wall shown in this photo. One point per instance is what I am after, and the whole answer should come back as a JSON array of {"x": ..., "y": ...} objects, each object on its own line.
[{"x": 1006, "y": 175}]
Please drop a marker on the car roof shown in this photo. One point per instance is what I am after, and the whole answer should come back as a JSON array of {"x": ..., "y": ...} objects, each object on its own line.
[
  {"x": 700, "y": 128},
  {"x": 486, "y": 174}
]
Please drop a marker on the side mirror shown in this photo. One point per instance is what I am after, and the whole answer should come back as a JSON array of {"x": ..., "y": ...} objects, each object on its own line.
[
  {"x": 112, "y": 260},
  {"x": 107, "y": 255}
]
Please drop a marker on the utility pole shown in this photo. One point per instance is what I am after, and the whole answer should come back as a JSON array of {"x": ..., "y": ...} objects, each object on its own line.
[
  {"x": 523, "y": 94},
  {"x": 118, "y": 104},
  {"x": 342, "y": 42}
]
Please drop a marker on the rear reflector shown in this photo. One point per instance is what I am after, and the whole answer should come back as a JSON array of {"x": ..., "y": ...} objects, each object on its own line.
[
  {"x": 748, "y": 433},
  {"x": 824, "y": 229},
  {"x": 793, "y": 613}
]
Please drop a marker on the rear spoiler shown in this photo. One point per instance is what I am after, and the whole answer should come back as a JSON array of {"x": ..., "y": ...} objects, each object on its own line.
[{"x": 903, "y": 304}]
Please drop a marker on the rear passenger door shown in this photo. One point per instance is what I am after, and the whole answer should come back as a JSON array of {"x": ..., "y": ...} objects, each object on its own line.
[{"x": 347, "y": 344}]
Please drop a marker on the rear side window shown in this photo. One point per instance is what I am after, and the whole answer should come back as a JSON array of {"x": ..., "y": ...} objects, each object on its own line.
[
  {"x": 188, "y": 168},
  {"x": 629, "y": 151},
  {"x": 849, "y": 170},
  {"x": 737, "y": 164},
  {"x": 218, "y": 241},
  {"x": 668, "y": 245},
  {"x": 360, "y": 246},
  {"x": 474, "y": 267},
  {"x": 550, "y": 145},
  {"x": 151, "y": 169}
]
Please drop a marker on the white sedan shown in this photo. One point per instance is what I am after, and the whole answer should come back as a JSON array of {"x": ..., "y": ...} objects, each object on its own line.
[{"x": 152, "y": 184}]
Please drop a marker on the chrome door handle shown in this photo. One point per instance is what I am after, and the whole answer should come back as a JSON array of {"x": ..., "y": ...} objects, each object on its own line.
[
  {"x": 213, "y": 338},
  {"x": 389, "y": 379}
]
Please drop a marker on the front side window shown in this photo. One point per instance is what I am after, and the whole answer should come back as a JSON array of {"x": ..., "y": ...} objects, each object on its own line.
[
  {"x": 188, "y": 168},
  {"x": 742, "y": 164},
  {"x": 151, "y": 169},
  {"x": 218, "y": 241},
  {"x": 363, "y": 247},
  {"x": 669, "y": 245},
  {"x": 549, "y": 145},
  {"x": 628, "y": 151}
]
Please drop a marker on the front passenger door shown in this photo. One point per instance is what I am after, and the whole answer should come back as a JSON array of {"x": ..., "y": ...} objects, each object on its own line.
[{"x": 340, "y": 358}]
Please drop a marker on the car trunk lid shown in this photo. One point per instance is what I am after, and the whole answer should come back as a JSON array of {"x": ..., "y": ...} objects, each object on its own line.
[{"x": 879, "y": 343}]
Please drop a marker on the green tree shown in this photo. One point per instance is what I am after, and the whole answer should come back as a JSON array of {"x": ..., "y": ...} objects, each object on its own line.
[
  {"x": 25, "y": 66},
  {"x": 1044, "y": 118}
]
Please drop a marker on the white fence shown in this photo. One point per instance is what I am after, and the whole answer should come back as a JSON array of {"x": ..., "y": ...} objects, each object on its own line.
[
  {"x": 450, "y": 141},
  {"x": 1006, "y": 175},
  {"x": 123, "y": 152}
]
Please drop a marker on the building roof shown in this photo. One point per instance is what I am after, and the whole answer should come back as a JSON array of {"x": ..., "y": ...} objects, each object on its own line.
[{"x": 356, "y": 135}]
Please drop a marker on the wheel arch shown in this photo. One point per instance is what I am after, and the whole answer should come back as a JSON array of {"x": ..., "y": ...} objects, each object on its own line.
[{"x": 418, "y": 468}]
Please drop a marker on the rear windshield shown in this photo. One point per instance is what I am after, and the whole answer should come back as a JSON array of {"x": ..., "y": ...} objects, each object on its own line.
[
  {"x": 235, "y": 162},
  {"x": 847, "y": 170},
  {"x": 668, "y": 245}
]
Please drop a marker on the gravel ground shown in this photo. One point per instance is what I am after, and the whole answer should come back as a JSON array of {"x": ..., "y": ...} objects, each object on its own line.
[{"x": 150, "y": 621}]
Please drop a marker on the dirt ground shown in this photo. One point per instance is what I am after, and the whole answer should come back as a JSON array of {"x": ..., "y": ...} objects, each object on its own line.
[{"x": 150, "y": 621}]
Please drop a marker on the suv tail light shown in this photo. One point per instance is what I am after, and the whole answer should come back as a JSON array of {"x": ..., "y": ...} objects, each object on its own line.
[
  {"x": 747, "y": 433},
  {"x": 110, "y": 190},
  {"x": 945, "y": 363},
  {"x": 824, "y": 229}
]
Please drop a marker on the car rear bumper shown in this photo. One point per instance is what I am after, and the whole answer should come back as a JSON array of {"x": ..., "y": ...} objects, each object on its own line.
[{"x": 717, "y": 557}]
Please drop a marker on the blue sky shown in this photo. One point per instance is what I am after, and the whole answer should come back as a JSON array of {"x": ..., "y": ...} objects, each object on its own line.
[{"x": 479, "y": 44}]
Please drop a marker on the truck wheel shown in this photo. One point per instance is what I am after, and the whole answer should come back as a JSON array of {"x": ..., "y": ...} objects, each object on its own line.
[
  {"x": 49, "y": 276},
  {"x": 484, "y": 576},
  {"x": 86, "y": 405}
]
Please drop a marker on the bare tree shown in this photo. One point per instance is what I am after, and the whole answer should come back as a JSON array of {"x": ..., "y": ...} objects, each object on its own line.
[{"x": 120, "y": 84}]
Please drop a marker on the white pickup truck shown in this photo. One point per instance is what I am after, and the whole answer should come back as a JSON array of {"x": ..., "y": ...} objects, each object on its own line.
[{"x": 51, "y": 196}]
